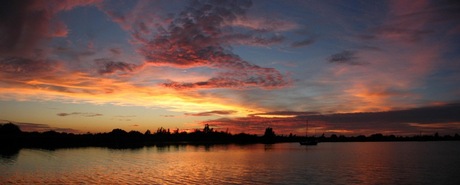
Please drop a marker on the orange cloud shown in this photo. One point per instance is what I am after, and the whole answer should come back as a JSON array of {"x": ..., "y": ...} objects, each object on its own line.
[{"x": 82, "y": 87}]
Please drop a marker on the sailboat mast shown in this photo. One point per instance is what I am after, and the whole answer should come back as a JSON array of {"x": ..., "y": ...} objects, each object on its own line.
[{"x": 306, "y": 129}]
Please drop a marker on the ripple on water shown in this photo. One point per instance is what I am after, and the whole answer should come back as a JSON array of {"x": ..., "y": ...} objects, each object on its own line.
[{"x": 327, "y": 163}]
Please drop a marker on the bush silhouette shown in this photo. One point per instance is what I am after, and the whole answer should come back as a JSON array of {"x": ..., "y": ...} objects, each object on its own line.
[{"x": 10, "y": 129}]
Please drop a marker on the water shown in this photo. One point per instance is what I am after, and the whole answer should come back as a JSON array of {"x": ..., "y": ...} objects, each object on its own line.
[{"x": 287, "y": 163}]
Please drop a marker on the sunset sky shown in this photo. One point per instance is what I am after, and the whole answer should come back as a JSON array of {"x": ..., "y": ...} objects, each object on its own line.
[{"x": 348, "y": 67}]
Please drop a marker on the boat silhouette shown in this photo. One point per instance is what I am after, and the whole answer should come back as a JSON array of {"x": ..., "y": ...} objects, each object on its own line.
[{"x": 308, "y": 141}]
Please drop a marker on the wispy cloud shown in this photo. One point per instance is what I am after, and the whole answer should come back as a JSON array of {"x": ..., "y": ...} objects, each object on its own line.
[
  {"x": 38, "y": 127},
  {"x": 124, "y": 118},
  {"x": 302, "y": 43},
  {"x": 116, "y": 51},
  {"x": 285, "y": 113},
  {"x": 212, "y": 113},
  {"x": 267, "y": 79},
  {"x": 345, "y": 57},
  {"x": 83, "y": 114},
  {"x": 18, "y": 66},
  {"x": 108, "y": 66}
]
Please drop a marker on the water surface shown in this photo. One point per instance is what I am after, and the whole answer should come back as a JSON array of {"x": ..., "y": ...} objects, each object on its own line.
[{"x": 327, "y": 163}]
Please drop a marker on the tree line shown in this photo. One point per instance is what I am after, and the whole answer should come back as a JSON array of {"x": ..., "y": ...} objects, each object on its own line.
[{"x": 11, "y": 136}]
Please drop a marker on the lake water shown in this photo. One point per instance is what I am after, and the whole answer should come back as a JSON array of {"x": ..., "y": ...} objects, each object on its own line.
[{"x": 286, "y": 163}]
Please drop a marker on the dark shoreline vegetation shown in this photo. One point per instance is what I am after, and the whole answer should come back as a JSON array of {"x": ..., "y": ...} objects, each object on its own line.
[{"x": 11, "y": 137}]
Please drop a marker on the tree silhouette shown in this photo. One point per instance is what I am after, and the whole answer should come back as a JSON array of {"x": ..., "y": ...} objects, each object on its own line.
[
  {"x": 11, "y": 137},
  {"x": 269, "y": 132},
  {"x": 9, "y": 129},
  {"x": 206, "y": 129},
  {"x": 118, "y": 132},
  {"x": 269, "y": 135}
]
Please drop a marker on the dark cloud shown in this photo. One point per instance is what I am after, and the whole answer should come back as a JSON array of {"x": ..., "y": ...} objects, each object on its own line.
[
  {"x": 257, "y": 124},
  {"x": 425, "y": 115},
  {"x": 25, "y": 23},
  {"x": 437, "y": 17},
  {"x": 200, "y": 37},
  {"x": 285, "y": 113},
  {"x": 444, "y": 119},
  {"x": 212, "y": 113},
  {"x": 398, "y": 121},
  {"x": 108, "y": 66},
  {"x": 25, "y": 66},
  {"x": 194, "y": 37},
  {"x": 302, "y": 43},
  {"x": 21, "y": 26},
  {"x": 116, "y": 51},
  {"x": 37, "y": 127},
  {"x": 345, "y": 57},
  {"x": 84, "y": 114},
  {"x": 268, "y": 78}
]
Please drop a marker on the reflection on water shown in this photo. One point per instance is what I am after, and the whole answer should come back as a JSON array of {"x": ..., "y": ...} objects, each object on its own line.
[{"x": 327, "y": 163}]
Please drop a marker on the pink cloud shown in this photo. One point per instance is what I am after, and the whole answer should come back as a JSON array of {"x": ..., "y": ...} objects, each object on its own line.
[
  {"x": 264, "y": 24},
  {"x": 197, "y": 37},
  {"x": 59, "y": 30}
]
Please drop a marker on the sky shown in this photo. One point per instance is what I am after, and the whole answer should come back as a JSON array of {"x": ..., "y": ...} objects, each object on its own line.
[{"x": 346, "y": 67}]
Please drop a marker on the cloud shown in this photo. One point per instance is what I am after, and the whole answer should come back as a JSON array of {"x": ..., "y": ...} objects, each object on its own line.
[
  {"x": 252, "y": 39},
  {"x": 21, "y": 26},
  {"x": 423, "y": 115},
  {"x": 124, "y": 118},
  {"x": 413, "y": 47},
  {"x": 402, "y": 34},
  {"x": 38, "y": 127},
  {"x": 24, "y": 24},
  {"x": 302, "y": 43},
  {"x": 24, "y": 66},
  {"x": 443, "y": 118},
  {"x": 193, "y": 38},
  {"x": 267, "y": 79},
  {"x": 116, "y": 51},
  {"x": 59, "y": 30},
  {"x": 264, "y": 24},
  {"x": 413, "y": 22},
  {"x": 212, "y": 113},
  {"x": 256, "y": 125},
  {"x": 108, "y": 66},
  {"x": 345, "y": 57},
  {"x": 83, "y": 114},
  {"x": 198, "y": 37},
  {"x": 285, "y": 113}
]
